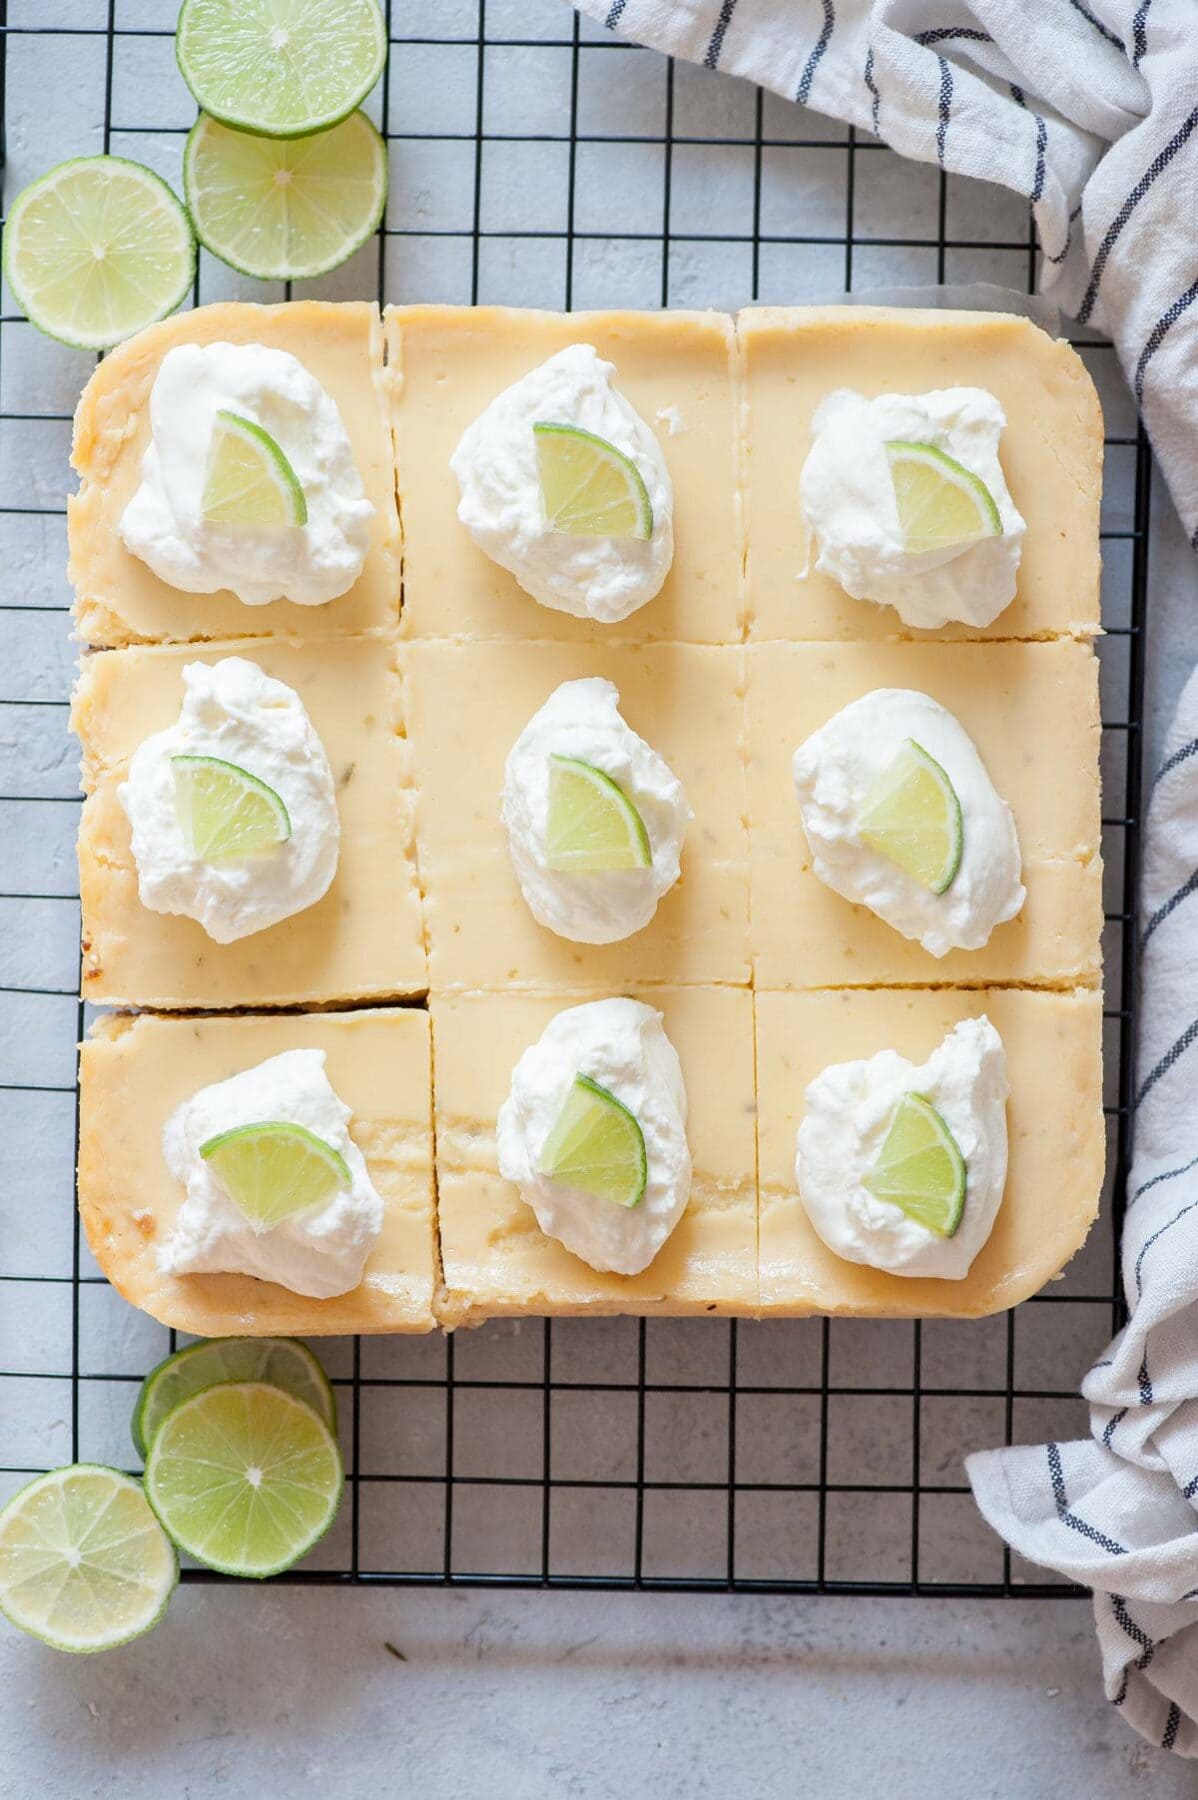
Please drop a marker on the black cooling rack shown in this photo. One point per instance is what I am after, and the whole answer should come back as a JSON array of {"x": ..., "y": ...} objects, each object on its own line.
[{"x": 791, "y": 1456}]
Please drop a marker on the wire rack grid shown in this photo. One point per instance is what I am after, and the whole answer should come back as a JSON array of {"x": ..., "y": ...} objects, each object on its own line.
[{"x": 536, "y": 159}]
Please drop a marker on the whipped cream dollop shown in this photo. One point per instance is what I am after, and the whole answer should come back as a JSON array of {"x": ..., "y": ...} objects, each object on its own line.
[
  {"x": 233, "y": 711},
  {"x": 622, "y": 1045},
  {"x": 603, "y": 578},
  {"x": 163, "y": 523},
  {"x": 834, "y": 772},
  {"x": 581, "y": 719},
  {"x": 320, "y": 1252},
  {"x": 846, "y": 493},
  {"x": 850, "y": 1108}
]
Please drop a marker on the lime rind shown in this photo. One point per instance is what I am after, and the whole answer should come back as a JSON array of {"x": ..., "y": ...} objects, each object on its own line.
[
  {"x": 283, "y": 1362},
  {"x": 241, "y": 1159},
  {"x": 249, "y": 480},
  {"x": 920, "y": 1168},
  {"x": 105, "y": 1578},
  {"x": 155, "y": 202},
  {"x": 593, "y": 827},
  {"x": 899, "y": 823},
  {"x": 596, "y": 1144},
  {"x": 331, "y": 201},
  {"x": 252, "y": 821},
  {"x": 245, "y": 1478},
  {"x": 250, "y": 63},
  {"x": 956, "y": 497},
  {"x": 589, "y": 488}
]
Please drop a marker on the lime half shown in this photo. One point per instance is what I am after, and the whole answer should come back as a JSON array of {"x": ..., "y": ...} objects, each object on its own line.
[
  {"x": 97, "y": 249},
  {"x": 597, "y": 1145},
  {"x": 593, "y": 825},
  {"x": 920, "y": 1169},
  {"x": 942, "y": 505},
  {"x": 588, "y": 487},
  {"x": 84, "y": 1564},
  {"x": 285, "y": 208},
  {"x": 244, "y": 1477},
  {"x": 224, "y": 811},
  {"x": 280, "y": 67},
  {"x": 283, "y": 1362},
  {"x": 912, "y": 816},
  {"x": 248, "y": 480},
  {"x": 273, "y": 1170}
]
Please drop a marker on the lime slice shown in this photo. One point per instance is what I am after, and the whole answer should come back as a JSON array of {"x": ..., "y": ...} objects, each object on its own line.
[
  {"x": 96, "y": 249},
  {"x": 920, "y": 1169},
  {"x": 280, "y": 67},
  {"x": 912, "y": 816},
  {"x": 285, "y": 208},
  {"x": 249, "y": 480},
  {"x": 941, "y": 504},
  {"x": 226, "y": 812},
  {"x": 588, "y": 487},
  {"x": 593, "y": 825},
  {"x": 84, "y": 1564},
  {"x": 283, "y": 1362},
  {"x": 244, "y": 1477},
  {"x": 273, "y": 1170},
  {"x": 597, "y": 1145}
]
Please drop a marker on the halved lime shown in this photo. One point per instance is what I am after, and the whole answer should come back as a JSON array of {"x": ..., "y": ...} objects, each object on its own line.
[
  {"x": 912, "y": 816},
  {"x": 597, "y": 1145},
  {"x": 941, "y": 503},
  {"x": 226, "y": 812},
  {"x": 248, "y": 480},
  {"x": 280, "y": 67},
  {"x": 84, "y": 1564},
  {"x": 274, "y": 1169},
  {"x": 244, "y": 1477},
  {"x": 285, "y": 208},
  {"x": 97, "y": 249},
  {"x": 588, "y": 487},
  {"x": 283, "y": 1362},
  {"x": 919, "y": 1167},
  {"x": 593, "y": 825}
]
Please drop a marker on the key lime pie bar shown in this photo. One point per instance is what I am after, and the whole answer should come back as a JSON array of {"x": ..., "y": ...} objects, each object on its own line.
[
  {"x": 236, "y": 479},
  {"x": 300, "y": 743},
  {"x": 480, "y": 551},
  {"x": 1015, "y": 435},
  {"x": 216, "y": 1225},
  {"x": 504, "y": 1051}
]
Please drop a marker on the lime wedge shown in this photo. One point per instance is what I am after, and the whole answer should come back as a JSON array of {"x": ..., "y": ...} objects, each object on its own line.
[
  {"x": 273, "y": 1170},
  {"x": 249, "y": 480},
  {"x": 84, "y": 1564},
  {"x": 912, "y": 816},
  {"x": 280, "y": 67},
  {"x": 941, "y": 504},
  {"x": 285, "y": 208},
  {"x": 226, "y": 812},
  {"x": 593, "y": 825},
  {"x": 244, "y": 1477},
  {"x": 597, "y": 1145},
  {"x": 96, "y": 249},
  {"x": 588, "y": 487},
  {"x": 920, "y": 1169},
  {"x": 283, "y": 1362}
]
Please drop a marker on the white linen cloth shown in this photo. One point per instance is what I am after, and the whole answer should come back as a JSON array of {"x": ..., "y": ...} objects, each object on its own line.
[
  {"x": 1089, "y": 107},
  {"x": 1119, "y": 1513}
]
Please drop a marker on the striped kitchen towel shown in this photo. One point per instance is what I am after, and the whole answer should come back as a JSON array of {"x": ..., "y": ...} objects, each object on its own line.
[
  {"x": 1089, "y": 107},
  {"x": 1119, "y": 1512}
]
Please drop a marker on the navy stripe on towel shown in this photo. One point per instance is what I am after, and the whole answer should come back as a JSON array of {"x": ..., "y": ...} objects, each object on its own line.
[
  {"x": 1167, "y": 1060},
  {"x": 1155, "y": 167},
  {"x": 712, "y": 58},
  {"x": 1166, "y": 1175},
  {"x": 1171, "y": 762},
  {"x": 613, "y": 17},
  {"x": 1086, "y": 1530},
  {"x": 1020, "y": 99},
  {"x": 1171, "y": 1725},
  {"x": 1139, "y": 36},
  {"x": 813, "y": 61},
  {"x": 1146, "y": 1246},
  {"x": 945, "y": 107},
  {"x": 1174, "y": 901},
  {"x": 943, "y": 34},
  {"x": 1079, "y": 6},
  {"x": 868, "y": 78},
  {"x": 1160, "y": 331},
  {"x": 1133, "y": 1631}
]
